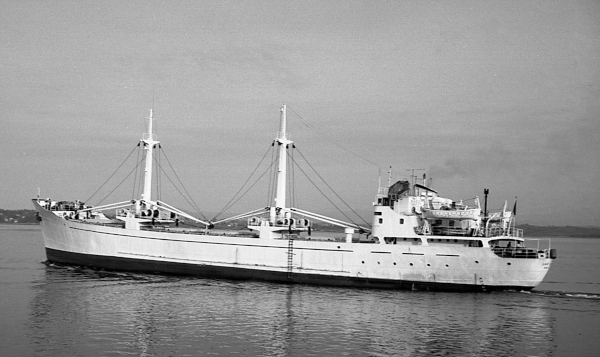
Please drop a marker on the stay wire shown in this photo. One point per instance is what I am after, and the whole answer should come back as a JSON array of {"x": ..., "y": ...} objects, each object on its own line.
[
  {"x": 273, "y": 177},
  {"x": 126, "y": 177},
  {"x": 324, "y": 195},
  {"x": 133, "y": 195},
  {"x": 192, "y": 203},
  {"x": 156, "y": 174},
  {"x": 247, "y": 190},
  {"x": 293, "y": 177},
  {"x": 108, "y": 179},
  {"x": 332, "y": 190},
  {"x": 331, "y": 141},
  {"x": 229, "y": 204}
]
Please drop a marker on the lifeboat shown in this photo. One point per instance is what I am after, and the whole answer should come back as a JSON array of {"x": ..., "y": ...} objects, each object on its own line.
[{"x": 462, "y": 214}]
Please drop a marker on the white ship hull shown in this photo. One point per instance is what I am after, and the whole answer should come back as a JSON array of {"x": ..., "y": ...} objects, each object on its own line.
[{"x": 398, "y": 266}]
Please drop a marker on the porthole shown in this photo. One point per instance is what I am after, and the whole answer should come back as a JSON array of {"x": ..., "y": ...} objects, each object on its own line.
[
  {"x": 411, "y": 264},
  {"x": 363, "y": 262},
  {"x": 508, "y": 263},
  {"x": 446, "y": 265},
  {"x": 477, "y": 261},
  {"x": 394, "y": 263},
  {"x": 428, "y": 265},
  {"x": 401, "y": 220},
  {"x": 378, "y": 263},
  {"x": 455, "y": 240}
]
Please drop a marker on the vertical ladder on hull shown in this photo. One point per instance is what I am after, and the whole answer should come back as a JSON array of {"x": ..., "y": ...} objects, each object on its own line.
[{"x": 290, "y": 256}]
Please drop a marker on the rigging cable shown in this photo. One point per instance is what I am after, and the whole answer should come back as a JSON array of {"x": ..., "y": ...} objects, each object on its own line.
[
  {"x": 113, "y": 174},
  {"x": 192, "y": 203},
  {"x": 331, "y": 141},
  {"x": 248, "y": 190},
  {"x": 158, "y": 177},
  {"x": 324, "y": 195},
  {"x": 133, "y": 193},
  {"x": 293, "y": 178},
  {"x": 272, "y": 176},
  {"x": 126, "y": 177},
  {"x": 231, "y": 201},
  {"x": 332, "y": 190}
]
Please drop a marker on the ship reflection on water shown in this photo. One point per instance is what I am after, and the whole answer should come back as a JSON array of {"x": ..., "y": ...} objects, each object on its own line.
[{"x": 79, "y": 311}]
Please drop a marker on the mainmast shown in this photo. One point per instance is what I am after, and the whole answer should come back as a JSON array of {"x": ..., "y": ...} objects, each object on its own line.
[
  {"x": 149, "y": 145},
  {"x": 283, "y": 143}
]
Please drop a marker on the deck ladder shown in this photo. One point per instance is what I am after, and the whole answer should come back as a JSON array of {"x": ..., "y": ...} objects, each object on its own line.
[{"x": 290, "y": 256}]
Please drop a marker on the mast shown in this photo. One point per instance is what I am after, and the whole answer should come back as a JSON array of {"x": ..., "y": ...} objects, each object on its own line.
[
  {"x": 283, "y": 143},
  {"x": 149, "y": 145}
]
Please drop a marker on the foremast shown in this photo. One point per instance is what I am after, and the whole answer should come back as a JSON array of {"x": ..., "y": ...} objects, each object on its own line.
[{"x": 147, "y": 211}]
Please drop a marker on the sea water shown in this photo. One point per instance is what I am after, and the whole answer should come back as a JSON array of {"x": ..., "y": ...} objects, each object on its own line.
[{"x": 49, "y": 310}]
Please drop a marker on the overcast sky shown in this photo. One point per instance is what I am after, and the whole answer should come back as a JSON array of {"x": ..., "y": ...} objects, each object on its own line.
[{"x": 496, "y": 94}]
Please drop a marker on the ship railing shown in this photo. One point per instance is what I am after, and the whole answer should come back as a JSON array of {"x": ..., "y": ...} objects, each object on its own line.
[
  {"x": 504, "y": 232},
  {"x": 451, "y": 231},
  {"x": 538, "y": 240},
  {"x": 515, "y": 249},
  {"x": 64, "y": 207},
  {"x": 517, "y": 252}
]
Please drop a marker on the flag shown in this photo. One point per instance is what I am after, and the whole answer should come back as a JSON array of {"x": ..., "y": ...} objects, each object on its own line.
[{"x": 515, "y": 208}]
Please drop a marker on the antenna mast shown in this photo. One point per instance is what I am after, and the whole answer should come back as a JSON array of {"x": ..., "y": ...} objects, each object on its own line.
[{"x": 413, "y": 178}]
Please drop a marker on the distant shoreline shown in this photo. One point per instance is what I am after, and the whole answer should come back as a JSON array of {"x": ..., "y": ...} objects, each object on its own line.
[{"x": 531, "y": 231}]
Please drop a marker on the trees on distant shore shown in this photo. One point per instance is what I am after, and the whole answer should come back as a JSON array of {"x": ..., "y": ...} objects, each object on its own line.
[{"x": 19, "y": 216}]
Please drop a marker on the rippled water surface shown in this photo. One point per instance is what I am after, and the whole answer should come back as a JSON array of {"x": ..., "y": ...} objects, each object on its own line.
[{"x": 50, "y": 310}]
